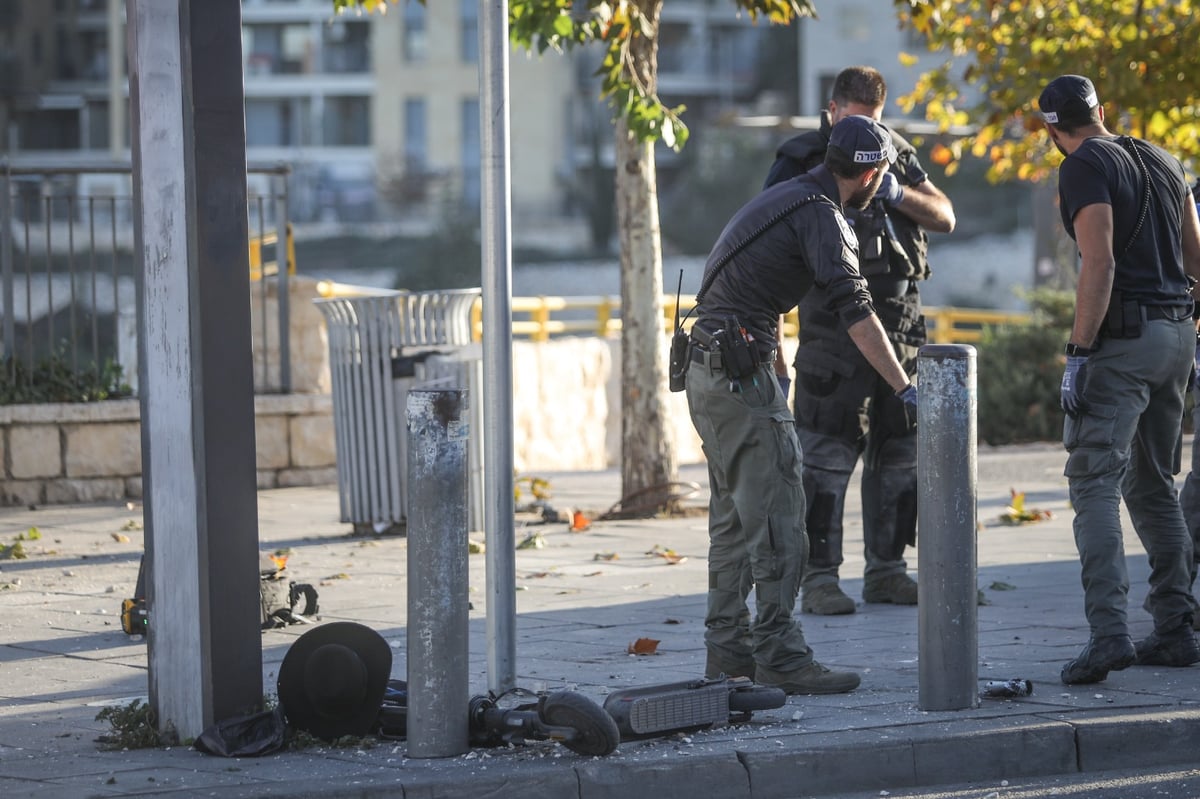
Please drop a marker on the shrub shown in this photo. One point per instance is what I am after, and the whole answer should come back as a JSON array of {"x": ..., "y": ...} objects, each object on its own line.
[
  {"x": 1020, "y": 372},
  {"x": 53, "y": 380}
]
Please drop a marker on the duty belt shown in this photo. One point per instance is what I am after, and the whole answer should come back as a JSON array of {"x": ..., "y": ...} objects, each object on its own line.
[
  {"x": 704, "y": 354},
  {"x": 1175, "y": 313}
]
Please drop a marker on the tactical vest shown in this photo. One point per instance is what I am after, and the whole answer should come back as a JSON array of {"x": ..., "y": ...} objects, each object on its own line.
[{"x": 889, "y": 243}]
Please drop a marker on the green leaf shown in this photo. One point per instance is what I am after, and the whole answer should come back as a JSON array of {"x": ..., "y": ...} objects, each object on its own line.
[{"x": 563, "y": 26}]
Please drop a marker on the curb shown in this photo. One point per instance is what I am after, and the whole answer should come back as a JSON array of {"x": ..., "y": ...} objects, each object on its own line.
[{"x": 885, "y": 758}]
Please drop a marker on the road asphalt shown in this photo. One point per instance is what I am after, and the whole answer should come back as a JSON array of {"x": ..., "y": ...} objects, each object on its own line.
[{"x": 583, "y": 598}]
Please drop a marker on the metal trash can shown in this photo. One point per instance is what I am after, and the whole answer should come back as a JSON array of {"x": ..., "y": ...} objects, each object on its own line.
[{"x": 380, "y": 345}]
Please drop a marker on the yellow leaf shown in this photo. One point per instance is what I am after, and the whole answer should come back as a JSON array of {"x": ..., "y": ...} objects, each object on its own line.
[{"x": 907, "y": 59}]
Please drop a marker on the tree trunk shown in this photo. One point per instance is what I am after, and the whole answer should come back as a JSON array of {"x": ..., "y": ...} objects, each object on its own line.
[{"x": 647, "y": 449}]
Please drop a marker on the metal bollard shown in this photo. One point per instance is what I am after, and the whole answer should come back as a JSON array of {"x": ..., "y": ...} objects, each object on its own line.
[
  {"x": 948, "y": 619},
  {"x": 438, "y": 690}
]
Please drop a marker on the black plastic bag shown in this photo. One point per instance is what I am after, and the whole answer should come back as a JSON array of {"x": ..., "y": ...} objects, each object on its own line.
[{"x": 253, "y": 735}]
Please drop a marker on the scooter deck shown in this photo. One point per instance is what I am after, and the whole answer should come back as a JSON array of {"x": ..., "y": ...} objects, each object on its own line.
[{"x": 672, "y": 706}]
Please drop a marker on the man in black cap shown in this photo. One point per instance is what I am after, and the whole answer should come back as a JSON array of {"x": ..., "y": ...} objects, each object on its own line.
[
  {"x": 843, "y": 409},
  {"x": 1126, "y": 204},
  {"x": 781, "y": 244}
]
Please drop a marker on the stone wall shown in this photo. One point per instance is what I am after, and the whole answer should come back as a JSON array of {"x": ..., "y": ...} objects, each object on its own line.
[{"x": 92, "y": 452}]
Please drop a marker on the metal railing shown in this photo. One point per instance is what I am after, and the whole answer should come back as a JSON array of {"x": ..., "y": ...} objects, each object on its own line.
[
  {"x": 68, "y": 276},
  {"x": 544, "y": 317}
]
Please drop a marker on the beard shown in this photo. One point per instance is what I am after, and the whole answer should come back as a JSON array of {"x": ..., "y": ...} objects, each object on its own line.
[{"x": 860, "y": 199}]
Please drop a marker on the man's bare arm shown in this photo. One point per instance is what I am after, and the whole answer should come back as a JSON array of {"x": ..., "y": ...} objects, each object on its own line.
[
  {"x": 1093, "y": 234},
  {"x": 926, "y": 205},
  {"x": 869, "y": 337}
]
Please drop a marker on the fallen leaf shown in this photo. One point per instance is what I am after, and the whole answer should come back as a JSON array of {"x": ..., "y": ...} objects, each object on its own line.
[
  {"x": 672, "y": 621},
  {"x": 533, "y": 541},
  {"x": 605, "y": 556},
  {"x": 593, "y": 574},
  {"x": 475, "y": 547},
  {"x": 644, "y": 646},
  {"x": 1000, "y": 586},
  {"x": 1016, "y": 512},
  {"x": 120, "y": 538},
  {"x": 669, "y": 555}
]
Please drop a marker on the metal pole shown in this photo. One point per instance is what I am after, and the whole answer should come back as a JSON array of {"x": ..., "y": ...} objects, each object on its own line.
[
  {"x": 948, "y": 626},
  {"x": 497, "y": 347},
  {"x": 438, "y": 692},
  {"x": 6, "y": 265},
  {"x": 283, "y": 257}
]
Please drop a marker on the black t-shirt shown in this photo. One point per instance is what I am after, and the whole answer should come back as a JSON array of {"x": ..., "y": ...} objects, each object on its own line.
[
  {"x": 807, "y": 243},
  {"x": 1101, "y": 170}
]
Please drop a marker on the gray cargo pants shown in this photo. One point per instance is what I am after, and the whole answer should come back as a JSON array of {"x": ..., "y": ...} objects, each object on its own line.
[
  {"x": 1127, "y": 444},
  {"x": 843, "y": 411},
  {"x": 755, "y": 516},
  {"x": 1189, "y": 495}
]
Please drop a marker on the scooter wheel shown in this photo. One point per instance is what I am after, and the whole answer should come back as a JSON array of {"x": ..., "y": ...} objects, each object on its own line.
[
  {"x": 756, "y": 697},
  {"x": 596, "y": 731}
]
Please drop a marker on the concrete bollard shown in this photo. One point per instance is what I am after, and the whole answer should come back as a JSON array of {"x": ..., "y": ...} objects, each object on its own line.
[
  {"x": 438, "y": 690},
  {"x": 948, "y": 618}
]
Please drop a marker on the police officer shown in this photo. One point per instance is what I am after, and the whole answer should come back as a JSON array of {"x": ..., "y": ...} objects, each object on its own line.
[
  {"x": 773, "y": 251},
  {"x": 843, "y": 409},
  {"x": 1126, "y": 204}
]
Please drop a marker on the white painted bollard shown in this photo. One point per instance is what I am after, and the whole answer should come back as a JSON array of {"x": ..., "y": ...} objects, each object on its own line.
[{"x": 948, "y": 638}]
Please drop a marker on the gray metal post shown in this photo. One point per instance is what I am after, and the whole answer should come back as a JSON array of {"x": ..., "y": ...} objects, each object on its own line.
[
  {"x": 948, "y": 626},
  {"x": 6, "y": 266},
  {"x": 438, "y": 620},
  {"x": 196, "y": 376},
  {"x": 283, "y": 257},
  {"x": 497, "y": 348}
]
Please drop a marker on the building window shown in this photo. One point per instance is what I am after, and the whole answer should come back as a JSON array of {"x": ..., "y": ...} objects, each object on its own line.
[
  {"x": 347, "y": 122},
  {"x": 346, "y": 47},
  {"x": 855, "y": 23},
  {"x": 278, "y": 49},
  {"x": 416, "y": 40},
  {"x": 416, "y": 142},
  {"x": 471, "y": 157},
  {"x": 469, "y": 31},
  {"x": 277, "y": 122}
]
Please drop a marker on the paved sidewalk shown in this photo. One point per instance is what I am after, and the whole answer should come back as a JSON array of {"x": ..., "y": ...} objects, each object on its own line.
[{"x": 582, "y": 599}]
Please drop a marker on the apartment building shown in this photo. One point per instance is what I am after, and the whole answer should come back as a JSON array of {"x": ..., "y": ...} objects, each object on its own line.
[{"x": 377, "y": 115}]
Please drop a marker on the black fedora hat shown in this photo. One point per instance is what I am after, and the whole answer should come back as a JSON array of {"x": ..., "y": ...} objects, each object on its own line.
[{"x": 332, "y": 679}]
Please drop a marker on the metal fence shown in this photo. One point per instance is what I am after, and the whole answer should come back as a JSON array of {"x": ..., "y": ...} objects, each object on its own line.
[{"x": 69, "y": 278}]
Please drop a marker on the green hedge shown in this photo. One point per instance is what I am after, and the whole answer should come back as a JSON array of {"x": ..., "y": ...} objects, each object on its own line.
[
  {"x": 53, "y": 380},
  {"x": 1020, "y": 371}
]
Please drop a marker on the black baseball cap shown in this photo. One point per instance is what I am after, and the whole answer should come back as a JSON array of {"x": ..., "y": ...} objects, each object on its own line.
[
  {"x": 863, "y": 139},
  {"x": 1067, "y": 99}
]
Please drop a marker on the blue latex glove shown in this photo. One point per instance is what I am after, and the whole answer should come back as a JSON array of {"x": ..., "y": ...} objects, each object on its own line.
[
  {"x": 890, "y": 190},
  {"x": 908, "y": 395},
  {"x": 785, "y": 383},
  {"x": 1073, "y": 383}
]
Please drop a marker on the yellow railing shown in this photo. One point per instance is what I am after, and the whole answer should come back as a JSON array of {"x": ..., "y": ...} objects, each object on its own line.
[
  {"x": 271, "y": 268},
  {"x": 538, "y": 318}
]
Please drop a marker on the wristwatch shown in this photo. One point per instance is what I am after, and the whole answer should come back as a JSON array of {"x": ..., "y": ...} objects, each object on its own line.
[{"x": 1075, "y": 349}]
